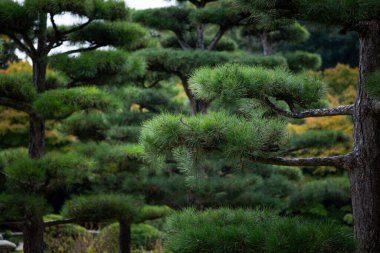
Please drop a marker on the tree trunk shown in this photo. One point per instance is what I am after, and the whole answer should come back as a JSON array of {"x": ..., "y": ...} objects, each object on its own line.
[
  {"x": 124, "y": 237},
  {"x": 267, "y": 47},
  {"x": 365, "y": 171},
  {"x": 200, "y": 37},
  {"x": 34, "y": 235},
  {"x": 36, "y": 136},
  {"x": 36, "y": 122}
]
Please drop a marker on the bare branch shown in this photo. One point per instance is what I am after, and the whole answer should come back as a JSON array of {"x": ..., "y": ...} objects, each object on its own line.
[
  {"x": 335, "y": 111},
  {"x": 340, "y": 161},
  {"x": 216, "y": 38},
  {"x": 21, "y": 106}
]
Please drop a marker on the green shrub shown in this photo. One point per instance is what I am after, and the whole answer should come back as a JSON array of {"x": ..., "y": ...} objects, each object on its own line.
[
  {"x": 322, "y": 198},
  {"x": 233, "y": 231},
  {"x": 143, "y": 237},
  {"x": 67, "y": 238}
]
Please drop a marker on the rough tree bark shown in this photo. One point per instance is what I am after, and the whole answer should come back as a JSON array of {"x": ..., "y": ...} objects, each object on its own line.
[
  {"x": 34, "y": 235},
  {"x": 365, "y": 171},
  {"x": 36, "y": 136},
  {"x": 124, "y": 237}
]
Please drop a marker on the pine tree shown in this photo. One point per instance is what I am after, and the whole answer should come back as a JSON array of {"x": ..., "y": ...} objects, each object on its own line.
[
  {"x": 126, "y": 210},
  {"x": 277, "y": 94},
  {"x": 193, "y": 25},
  {"x": 31, "y": 25},
  {"x": 27, "y": 26}
]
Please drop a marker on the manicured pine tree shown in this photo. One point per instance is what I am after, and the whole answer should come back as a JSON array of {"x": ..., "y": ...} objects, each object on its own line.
[
  {"x": 41, "y": 97},
  {"x": 252, "y": 139},
  {"x": 27, "y": 26},
  {"x": 124, "y": 209},
  {"x": 190, "y": 23},
  {"x": 275, "y": 29}
]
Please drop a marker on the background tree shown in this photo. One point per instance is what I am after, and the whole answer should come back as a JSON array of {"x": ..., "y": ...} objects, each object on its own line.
[
  {"x": 27, "y": 25},
  {"x": 43, "y": 97},
  {"x": 126, "y": 210}
]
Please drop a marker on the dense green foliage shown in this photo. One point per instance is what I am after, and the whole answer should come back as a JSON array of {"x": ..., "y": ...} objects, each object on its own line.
[
  {"x": 226, "y": 230},
  {"x": 233, "y": 81},
  {"x": 102, "y": 208}
]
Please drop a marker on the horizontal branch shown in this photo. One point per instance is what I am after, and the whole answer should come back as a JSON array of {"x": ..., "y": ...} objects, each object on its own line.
[
  {"x": 338, "y": 161},
  {"x": 79, "y": 50},
  {"x": 58, "y": 222},
  {"x": 335, "y": 111},
  {"x": 21, "y": 106}
]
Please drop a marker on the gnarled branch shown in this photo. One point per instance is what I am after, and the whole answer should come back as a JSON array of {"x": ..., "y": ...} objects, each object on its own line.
[
  {"x": 335, "y": 111},
  {"x": 340, "y": 161}
]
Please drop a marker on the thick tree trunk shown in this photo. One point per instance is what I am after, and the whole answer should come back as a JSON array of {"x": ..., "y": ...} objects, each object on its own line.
[
  {"x": 267, "y": 47},
  {"x": 33, "y": 235},
  {"x": 36, "y": 136},
  {"x": 124, "y": 237},
  {"x": 365, "y": 171}
]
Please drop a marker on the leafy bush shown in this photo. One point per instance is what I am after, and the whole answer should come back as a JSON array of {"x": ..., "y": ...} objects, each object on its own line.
[
  {"x": 143, "y": 237},
  {"x": 233, "y": 231}
]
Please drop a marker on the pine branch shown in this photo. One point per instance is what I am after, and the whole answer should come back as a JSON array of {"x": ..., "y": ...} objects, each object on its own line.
[
  {"x": 19, "y": 44},
  {"x": 21, "y": 106},
  {"x": 79, "y": 50},
  {"x": 58, "y": 222},
  {"x": 335, "y": 111},
  {"x": 78, "y": 28},
  {"x": 340, "y": 161},
  {"x": 216, "y": 38},
  {"x": 182, "y": 42}
]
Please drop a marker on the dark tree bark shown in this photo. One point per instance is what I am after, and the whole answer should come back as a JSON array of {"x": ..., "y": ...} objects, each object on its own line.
[
  {"x": 124, "y": 237},
  {"x": 36, "y": 136},
  {"x": 365, "y": 172},
  {"x": 34, "y": 235}
]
